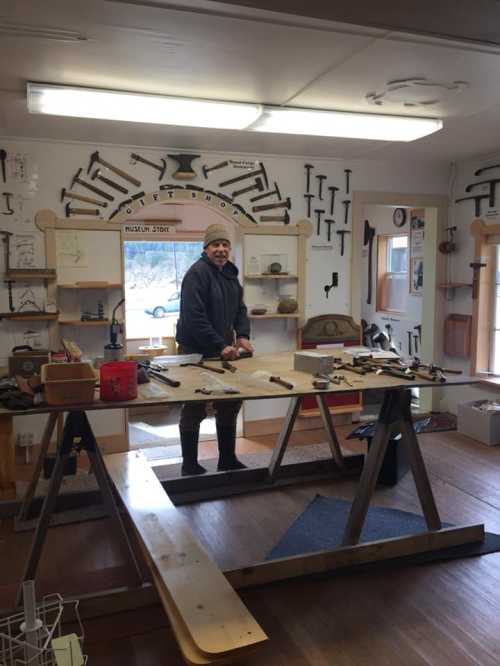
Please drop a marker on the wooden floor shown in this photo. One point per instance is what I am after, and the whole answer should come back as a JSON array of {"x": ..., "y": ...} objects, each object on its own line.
[{"x": 443, "y": 613}]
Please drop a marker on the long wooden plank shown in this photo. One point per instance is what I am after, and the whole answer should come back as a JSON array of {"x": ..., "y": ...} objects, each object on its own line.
[
  {"x": 212, "y": 612},
  {"x": 348, "y": 556}
]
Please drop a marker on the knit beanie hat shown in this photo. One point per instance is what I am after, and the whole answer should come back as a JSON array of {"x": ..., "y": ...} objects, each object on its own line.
[{"x": 215, "y": 232}]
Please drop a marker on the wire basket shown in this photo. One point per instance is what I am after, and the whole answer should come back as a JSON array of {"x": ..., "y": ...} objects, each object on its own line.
[{"x": 26, "y": 638}]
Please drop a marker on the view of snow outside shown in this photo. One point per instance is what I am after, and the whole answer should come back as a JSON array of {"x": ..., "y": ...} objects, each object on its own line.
[{"x": 153, "y": 275}]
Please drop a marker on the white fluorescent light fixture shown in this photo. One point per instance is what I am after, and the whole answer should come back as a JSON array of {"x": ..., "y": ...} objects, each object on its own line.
[
  {"x": 183, "y": 111},
  {"x": 344, "y": 124},
  {"x": 141, "y": 108}
]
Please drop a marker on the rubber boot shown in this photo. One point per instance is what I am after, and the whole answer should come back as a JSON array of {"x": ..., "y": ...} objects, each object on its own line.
[
  {"x": 189, "y": 446},
  {"x": 226, "y": 437}
]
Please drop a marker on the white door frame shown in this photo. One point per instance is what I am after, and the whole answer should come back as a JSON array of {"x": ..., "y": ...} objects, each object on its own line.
[{"x": 436, "y": 216}]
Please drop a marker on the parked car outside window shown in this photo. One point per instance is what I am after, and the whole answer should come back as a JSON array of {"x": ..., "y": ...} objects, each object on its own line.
[{"x": 172, "y": 304}]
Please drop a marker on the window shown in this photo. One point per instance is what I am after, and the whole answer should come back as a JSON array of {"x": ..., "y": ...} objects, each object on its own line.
[
  {"x": 495, "y": 320},
  {"x": 153, "y": 275},
  {"x": 397, "y": 254},
  {"x": 392, "y": 273}
]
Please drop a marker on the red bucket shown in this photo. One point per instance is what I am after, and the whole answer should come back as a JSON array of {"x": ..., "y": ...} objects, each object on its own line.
[{"x": 118, "y": 380}]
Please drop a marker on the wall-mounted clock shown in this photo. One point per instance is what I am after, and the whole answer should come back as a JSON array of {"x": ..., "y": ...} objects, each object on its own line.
[{"x": 399, "y": 217}]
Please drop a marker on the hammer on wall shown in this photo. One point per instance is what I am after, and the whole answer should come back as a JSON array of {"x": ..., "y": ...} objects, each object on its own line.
[
  {"x": 368, "y": 236},
  {"x": 342, "y": 234},
  {"x": 67, "y": 194},
  {"x": 492, "y": 183},
  {"x": 206, "y": 169},
  {"x": 287, "y": 203},
  {"x": 88, "y": 186},
  {"x": 80, "y": 211},
  {"x": 276, "y": 192},
  {"x": 159, "y": 167},
  {"x": 95, "y": 157},
  {"x": 261, "y": 171},
  {"x": 477, "y": 202},
  {"x": 285, "y": 218}
]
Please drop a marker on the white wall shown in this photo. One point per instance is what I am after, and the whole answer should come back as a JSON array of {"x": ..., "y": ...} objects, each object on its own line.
[
  {"x": 458, "y": 269},
  {"x": 380, "y": 217},
  {"x": 49, "y": 166}
]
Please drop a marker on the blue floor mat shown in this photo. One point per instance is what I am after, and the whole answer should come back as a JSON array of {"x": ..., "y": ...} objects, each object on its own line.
[{"x": 321, "y": 526}]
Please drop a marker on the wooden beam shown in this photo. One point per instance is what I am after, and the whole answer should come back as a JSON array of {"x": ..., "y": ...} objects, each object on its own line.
[{"x": 348, "y": 556}]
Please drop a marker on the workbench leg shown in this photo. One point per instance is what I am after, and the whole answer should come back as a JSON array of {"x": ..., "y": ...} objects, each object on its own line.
[
  {"x": 422, "y": 483},
  {"x": 44, "y": 445},
  {"x": 7, "y": 453},
  {"x": 76, "y": 429},
  {"x": 284, "y": 437},
  {"x": 333, "y": 441},
  {"x": 45, "y": 514},
  {"x": 389, "y": 415},
  {"x": 95, "y": 457}
]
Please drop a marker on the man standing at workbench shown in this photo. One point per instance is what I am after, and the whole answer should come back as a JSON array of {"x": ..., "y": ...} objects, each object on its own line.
[{"x": 213, "y": 321}]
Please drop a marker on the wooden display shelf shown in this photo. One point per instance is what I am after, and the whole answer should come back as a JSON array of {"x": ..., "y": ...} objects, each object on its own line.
[
  {"x": 277, "y": 315},
  {"x": 79, "y": 322},
  {"x": 29, "y": 316},
  {"x": 91, "y": 285},
  {"x": 271, "y": 276},
  {"x": 30, "y": 274}
]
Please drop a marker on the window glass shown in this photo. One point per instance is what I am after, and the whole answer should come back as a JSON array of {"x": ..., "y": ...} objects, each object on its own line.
[
  {"x": 397, "y": 254},
  {"x": 153, "y": 275}
]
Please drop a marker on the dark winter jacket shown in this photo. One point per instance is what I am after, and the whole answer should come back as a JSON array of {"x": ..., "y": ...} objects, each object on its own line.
[{"x": 212, "y": 308}]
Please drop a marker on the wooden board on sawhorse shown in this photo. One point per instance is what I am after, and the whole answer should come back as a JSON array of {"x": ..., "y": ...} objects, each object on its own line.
[{"x": 196, "y": 595}]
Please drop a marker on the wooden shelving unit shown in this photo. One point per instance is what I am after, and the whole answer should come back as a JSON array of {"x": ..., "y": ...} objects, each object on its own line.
[
  {"x": 30, "y": 274},
  {"x": 88, "y": 285},
  {"x": 29, "y": 316},
  {"x": 79, "y": 322}
]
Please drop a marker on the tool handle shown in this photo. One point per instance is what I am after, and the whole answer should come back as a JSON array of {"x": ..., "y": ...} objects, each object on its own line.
[
  {"x": 219, "y": 371},
  {"x": 431, "y": 378},
  {"x": 161, "y": 378},
  {"x": 281, "y": 382}
]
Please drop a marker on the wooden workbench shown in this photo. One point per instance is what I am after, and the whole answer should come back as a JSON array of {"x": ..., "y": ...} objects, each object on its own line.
[{"x": 210, "y": 623}]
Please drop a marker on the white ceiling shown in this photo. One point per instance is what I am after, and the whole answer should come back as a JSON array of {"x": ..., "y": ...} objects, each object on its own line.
[{"x": 205, "y": 49}]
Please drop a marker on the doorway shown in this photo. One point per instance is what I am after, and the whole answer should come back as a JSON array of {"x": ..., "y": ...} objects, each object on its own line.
[{"x": 420, "y": 281}]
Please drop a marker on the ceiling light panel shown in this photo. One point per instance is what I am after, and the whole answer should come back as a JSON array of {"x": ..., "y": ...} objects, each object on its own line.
[
  {"x": 343, "y": 124},
  {"x": 189, "y": 112},
  {"x": 135, "y": 107}
]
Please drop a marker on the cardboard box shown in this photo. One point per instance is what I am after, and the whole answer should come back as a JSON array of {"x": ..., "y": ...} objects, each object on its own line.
[
  {"x": 66, "y": 383},
  {"x": 478, "y": 424},
  {"x": 313, "y": 361},
  {"x": 27, "y": 363}
]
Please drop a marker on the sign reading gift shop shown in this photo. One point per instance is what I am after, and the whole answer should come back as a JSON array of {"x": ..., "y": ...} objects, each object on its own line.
[{"x": 180, "y": 195}]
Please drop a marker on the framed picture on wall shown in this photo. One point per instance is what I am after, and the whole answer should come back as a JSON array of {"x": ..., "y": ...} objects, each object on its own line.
[
  {"x": 417, "y": 230},
  {"x": 416, "y": 275}
]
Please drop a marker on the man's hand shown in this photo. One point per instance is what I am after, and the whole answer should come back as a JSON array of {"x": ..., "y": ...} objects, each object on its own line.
[
  {"x": 244, "y": 343},
  {"x": 230, "y": 353}
]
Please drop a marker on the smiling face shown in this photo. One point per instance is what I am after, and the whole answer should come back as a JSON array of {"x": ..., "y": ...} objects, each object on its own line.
[{"x": 218, "y": 252}]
